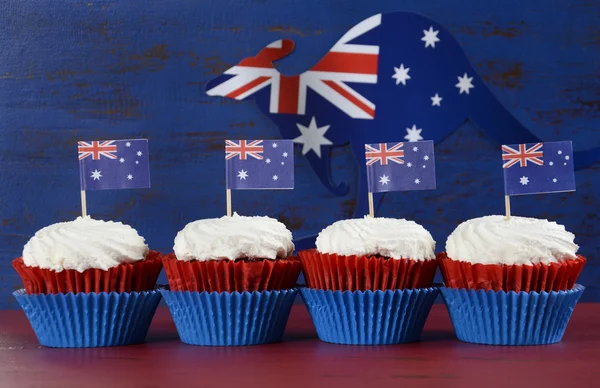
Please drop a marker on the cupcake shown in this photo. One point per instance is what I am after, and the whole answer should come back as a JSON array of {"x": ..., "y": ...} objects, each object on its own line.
[
  {"x": 370, "y": 281},
  {"x": 230, "y": 254},
  {"x": 232, "y": 280},
  {"x": 510, "y": 281},
  {"x": 88, "y": 283}
]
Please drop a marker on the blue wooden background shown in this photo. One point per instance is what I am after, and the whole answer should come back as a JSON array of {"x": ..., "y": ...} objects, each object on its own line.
[{"x": 73, "y": 70}]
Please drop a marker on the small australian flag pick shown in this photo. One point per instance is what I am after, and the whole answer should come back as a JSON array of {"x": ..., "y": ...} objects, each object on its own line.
[
  {"x": 400, "y": 166},
  {"x": 259, "y": 164},
  {"x": 535, "y": 168},
  {"x": 114, "y": 164}
]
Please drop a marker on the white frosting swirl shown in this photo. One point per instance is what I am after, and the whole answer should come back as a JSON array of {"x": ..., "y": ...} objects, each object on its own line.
[
  {"x": 83, "y": 244},
  {"x": 235, "y": 237},
  {"x": 519, "y": 240},
  {"x": 388, "y": 237}
]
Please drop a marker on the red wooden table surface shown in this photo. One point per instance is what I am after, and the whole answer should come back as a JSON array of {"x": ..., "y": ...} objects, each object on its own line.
[{"x": 439, "y": 360}]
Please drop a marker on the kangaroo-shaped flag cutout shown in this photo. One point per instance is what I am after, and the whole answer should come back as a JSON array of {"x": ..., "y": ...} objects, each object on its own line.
[{"x": 393, "y": 73}]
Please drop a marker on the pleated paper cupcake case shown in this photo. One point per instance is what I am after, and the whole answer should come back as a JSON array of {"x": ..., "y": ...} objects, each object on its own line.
[
  {"x": 89, "y": 320},
  {"x": 230, "y": 276},
  {"x": 501, "y": 318},
  {"x": 230, "y": 319},
  {"x": 125, "y": 277},
  {"x": 337, "y": 272},
  {"x": 369, "y": 317},
  {"x": 497, "y": 277}
]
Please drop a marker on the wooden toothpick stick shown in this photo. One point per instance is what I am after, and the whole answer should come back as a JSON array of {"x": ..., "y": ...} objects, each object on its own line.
[
  {"x": 228, "y": 196},
  {"x": 83, "y": 204},
  {"x": 371, "y": 207},
  {"x": 507, "y": 206}
]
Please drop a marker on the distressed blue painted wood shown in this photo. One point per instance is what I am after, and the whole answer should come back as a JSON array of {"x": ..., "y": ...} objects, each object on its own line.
[{"x": 72, "y": 70}]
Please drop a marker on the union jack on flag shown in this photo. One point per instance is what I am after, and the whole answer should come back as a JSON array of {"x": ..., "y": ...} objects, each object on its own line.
[
  {"x": 410, "y": 169},
  {"x": 259, "y": 164},
  {"x": 344, "y": 63},
  {"x": 96, "y": 149},
  {"x": 381, "y": 153},
  {"x": 243, "y": 149},
  {"x": 538, "y": 168},
  {"x": 532, "y": 154}
]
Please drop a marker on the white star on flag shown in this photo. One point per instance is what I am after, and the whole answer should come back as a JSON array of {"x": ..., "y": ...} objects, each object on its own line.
[
  {"x": 122, "y": 160},
  {"x": 275, "y": 177},
  {"x": 464, "y": 84},
  {"x": 129, "y": 177},
  {"x": 242, "y": 174},
  {"x": 524, "y": 180},
  {"x": 426, "y": 157},
  {"x": 436, "y": 100},
  {"x": 401, "y": 74},
  {"x": 274, "y": 145},
  {"x": 554, "y": 180},
  {"x": 417, "y": 181},
  {"x": 96, "y": 175},
  {"x": 430, "y": 37},
  {"x": 413, "y": 134},
  {"x": 312, "y": 137},
  {"x": 409, "y": 164},
  {"x": 415, "y": 149},
  {"x": 128, "y": 144},
  {"x": 285, "y": 154},
  {"x": 139, "y": 153},
  {"x": 384, "y": 179},
  {"x": 268, "y": 161}
]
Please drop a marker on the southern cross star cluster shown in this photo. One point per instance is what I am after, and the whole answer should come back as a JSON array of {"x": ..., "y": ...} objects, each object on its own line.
[{"x": 402, "y": 76}]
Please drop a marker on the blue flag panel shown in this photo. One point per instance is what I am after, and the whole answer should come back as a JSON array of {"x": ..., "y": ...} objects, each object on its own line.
[
  {"x": 259, "y": 164},
  {"x": 114, "y": 164},
  {"x": 400, "y": 166},
  {"x": 534, "y": 168}
]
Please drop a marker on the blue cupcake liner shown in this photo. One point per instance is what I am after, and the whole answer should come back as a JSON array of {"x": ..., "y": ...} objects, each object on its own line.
[
  {"x": 87, "y": 320},
  {"x": 369, "y": 317},
  {"x": 510, "y": 318},
  {"x": 230, "y": 318}
]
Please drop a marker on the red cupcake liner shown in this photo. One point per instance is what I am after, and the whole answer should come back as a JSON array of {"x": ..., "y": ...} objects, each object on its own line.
[
  {"x": 361, "y": 273},
  {"x": 231, "y": 275},
  {"x": 502, "y": 277},
  {"x": 139, "y": 276}
]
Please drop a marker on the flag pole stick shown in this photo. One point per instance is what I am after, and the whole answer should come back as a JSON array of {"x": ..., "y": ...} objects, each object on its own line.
[
  {"x": 507, "y": 206},
  {"x": 371, "y": 207},
  {"x": 83, "y": 204},
  {"x": 228, "y": 196}
]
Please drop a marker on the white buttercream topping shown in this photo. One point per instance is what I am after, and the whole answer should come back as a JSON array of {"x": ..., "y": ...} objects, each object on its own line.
[
  {"x": 235, "y": 237},
  {"x": 388, "y": 237},
  {"x": 519, "y": 240},
  {"x": 83, "y": 244}
]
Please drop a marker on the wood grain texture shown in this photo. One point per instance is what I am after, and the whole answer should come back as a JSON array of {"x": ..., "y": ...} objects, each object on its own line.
[
  {"x": 303, "y": 361},
  {"x": 76, "y": 70}
]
